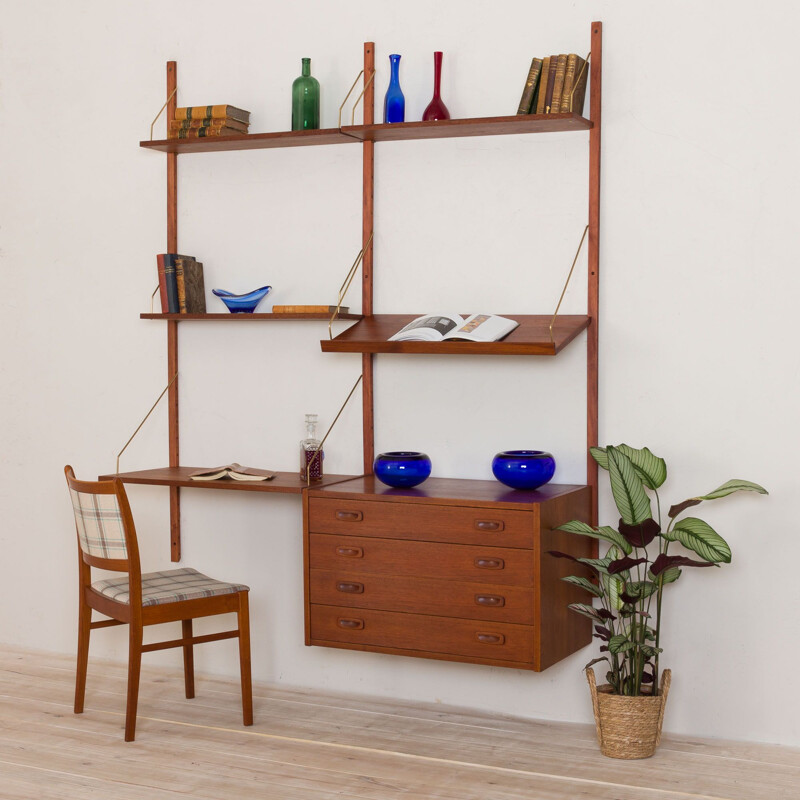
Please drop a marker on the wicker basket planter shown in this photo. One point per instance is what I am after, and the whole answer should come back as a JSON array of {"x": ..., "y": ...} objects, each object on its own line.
[{"x": 628, "y": 727}]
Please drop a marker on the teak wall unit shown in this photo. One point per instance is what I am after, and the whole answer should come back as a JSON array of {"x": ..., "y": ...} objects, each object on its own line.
[{"x": 368, "y": 336}]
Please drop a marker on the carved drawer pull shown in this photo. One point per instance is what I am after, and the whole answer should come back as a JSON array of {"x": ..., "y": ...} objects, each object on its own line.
[
  {"x": 491, "y": 638},
  {"x": 350, "y": 588},
  {"x": 350, "y": 516},
  {"x": 489, "y": 525},
  {"x": 351, "y": 624},
  {"x": 494, "y": 600},
  {"x": 490, "y": 563},
  {"x": 350, "y": 552}
]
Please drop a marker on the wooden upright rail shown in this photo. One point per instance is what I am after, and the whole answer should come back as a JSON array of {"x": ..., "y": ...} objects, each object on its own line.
[
  {"x": 593, "y": 301},
  {"x": 172, "y": 325},
  {"x": 368, "y": 220}
]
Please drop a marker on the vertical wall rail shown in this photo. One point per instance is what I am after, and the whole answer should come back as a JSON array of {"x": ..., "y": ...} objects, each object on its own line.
[
  {"x": 172, "y": 326},
  {"x": 592, "y": 338},
  {"x": 367, "y": 363}
]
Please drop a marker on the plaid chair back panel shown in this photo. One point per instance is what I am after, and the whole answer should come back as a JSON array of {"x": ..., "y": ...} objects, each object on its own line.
[{"x": 99, "y": 520}]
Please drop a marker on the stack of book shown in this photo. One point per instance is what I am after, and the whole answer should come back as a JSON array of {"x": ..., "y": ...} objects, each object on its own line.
[
  {"x": 180, "y": 283},
  {"x": 555, "y": 85},
  {"x": 195, "y": 122}
]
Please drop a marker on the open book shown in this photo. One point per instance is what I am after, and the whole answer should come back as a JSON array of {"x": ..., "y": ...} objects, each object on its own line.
[
  {"x": 236, "y": 471},
  {"x": 452, "y": 327}
]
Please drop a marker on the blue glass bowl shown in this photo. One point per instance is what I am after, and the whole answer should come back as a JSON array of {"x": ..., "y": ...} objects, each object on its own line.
[
  {"x": 402, "y": 469},
  {"x": 242, "y": 303},
  {"x": 523, "y": 469}
]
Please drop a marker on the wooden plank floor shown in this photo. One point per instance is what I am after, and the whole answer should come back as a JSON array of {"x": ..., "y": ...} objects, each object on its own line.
[{"x": 309, "y": 745}]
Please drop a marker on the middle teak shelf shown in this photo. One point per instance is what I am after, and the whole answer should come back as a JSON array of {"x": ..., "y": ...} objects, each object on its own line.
[{"x": 533, "y": 337}]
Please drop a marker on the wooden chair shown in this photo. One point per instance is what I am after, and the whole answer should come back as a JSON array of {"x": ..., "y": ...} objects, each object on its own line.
[{"x": 107, "y": 540}]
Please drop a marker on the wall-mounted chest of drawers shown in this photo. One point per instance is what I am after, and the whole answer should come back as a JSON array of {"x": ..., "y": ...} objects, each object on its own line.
[{"x": 453, "y": 569}]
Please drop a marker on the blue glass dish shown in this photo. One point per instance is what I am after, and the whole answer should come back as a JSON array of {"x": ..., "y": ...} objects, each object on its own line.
[
  {"x": 402, "y": 469},
  {"x": 242, "y": 303},
  {"x": 523, "y": 469}
]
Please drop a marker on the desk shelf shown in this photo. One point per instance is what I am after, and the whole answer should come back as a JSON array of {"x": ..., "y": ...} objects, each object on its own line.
[
  {"x": 532, "y": 337},
  {"x": 283, "y": 482}
]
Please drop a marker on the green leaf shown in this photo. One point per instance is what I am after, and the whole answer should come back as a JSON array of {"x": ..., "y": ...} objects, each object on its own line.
[
  {"x": 699, "y": 536},
  {"x": 649, "y": 651},
  {"x": 627, "y": 487},
  {"x": 613, "y": 585},
  {"x": 620, "y": 644},
  {"x": 606, "y": 533},
  {"x": 735, "y": 485},
  {"x": 669, "y": 575},
  {"x": 650, "y": 468},
  {"x": 600, "y": 456},
  {"x": 584, "y": 583},
  {"x": 600, "y": 565},
  {"x": 641, "y": 589},
  {"x": 586, "y": 611}
]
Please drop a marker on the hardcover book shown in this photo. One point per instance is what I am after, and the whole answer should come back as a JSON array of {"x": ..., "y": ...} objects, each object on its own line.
[
  {"x": 199, "y": 112},
  {"x": 208, "y": 122},
  {"x": 558, "y": 83},
  {"x": 194, "y": 287},
  {"x": 455, "y": 328},
  {"x": 574, "y": 84},
  {"x": 168, "y": 282},
  {"x": 543, "y": 80},
  {"x": 203, "y": 132},
  {"x": 531, "y": 84}
]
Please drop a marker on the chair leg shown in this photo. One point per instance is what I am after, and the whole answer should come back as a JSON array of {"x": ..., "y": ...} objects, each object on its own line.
[
  {"x": 134, "y": 668},
  {"x": 244, "y": 658},
  {"x": 84, "y": 629},
  {"x": 188, "y": 659}
]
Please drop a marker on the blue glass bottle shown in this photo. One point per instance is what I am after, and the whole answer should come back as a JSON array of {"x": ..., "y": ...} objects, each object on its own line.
[{"x": 394, "y": 106}]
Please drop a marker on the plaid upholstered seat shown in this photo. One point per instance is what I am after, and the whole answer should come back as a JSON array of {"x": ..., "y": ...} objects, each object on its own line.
[{"x": 169, "y": 586}]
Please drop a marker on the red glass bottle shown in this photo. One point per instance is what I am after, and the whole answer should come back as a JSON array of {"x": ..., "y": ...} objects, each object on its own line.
[{"x": 436, "y": 108}]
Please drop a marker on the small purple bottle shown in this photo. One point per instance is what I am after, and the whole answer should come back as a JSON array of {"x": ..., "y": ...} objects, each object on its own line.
[{"x": 310, "y": 453}]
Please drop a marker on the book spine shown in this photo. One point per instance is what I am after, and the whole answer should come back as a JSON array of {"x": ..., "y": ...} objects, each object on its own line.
[
  {"x": 166, "y": 266},
  {"x": 163, "y": 289},
  {"x": 551, "y": 78},
  {"x": 195, "y": 287},
  {"x": 208, "y": 122},
  {"x": 530, "y": 87},
  {"x": 574, "y": 102},
  {"x": 199, "y": 112},
  {"x": 569, "y": 81},
  {"x": 180, "y": 284},
  {"x": 203, "y": 133},
  {"x": 543, "y": 81},
  {"x": 558, "y": 83}
]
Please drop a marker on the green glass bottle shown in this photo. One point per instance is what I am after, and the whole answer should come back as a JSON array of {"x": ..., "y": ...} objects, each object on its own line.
[{"x": 305, "y": 100}]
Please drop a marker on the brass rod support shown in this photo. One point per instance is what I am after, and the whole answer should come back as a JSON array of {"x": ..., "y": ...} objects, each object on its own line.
[
  {"x": 319, "y": 449},
  {"x": 346, "y": 283},
  {"x": 347, "y": 96},
  {"x": 152, "y": 124},
  {"x": 358, "y": 99},
  {"x": 564, "y": 290},
  {"x": 152, "y": 296},
  {"x": 145, "y": 418}
]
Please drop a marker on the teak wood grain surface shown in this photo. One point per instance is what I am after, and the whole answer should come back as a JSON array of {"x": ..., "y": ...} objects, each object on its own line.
[{"x": 451, "y": 569}]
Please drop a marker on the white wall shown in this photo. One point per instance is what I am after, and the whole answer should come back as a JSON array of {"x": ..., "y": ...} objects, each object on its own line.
[{"x": 699, "y": 284}]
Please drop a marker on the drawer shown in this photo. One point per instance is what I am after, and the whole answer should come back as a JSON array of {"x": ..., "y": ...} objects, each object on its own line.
[
  {"x": 419, "y": 633},
  {"x": 357, "y": 554},
  {"x": 422, "y": 596},
  {"x": 480, "y": 526}
]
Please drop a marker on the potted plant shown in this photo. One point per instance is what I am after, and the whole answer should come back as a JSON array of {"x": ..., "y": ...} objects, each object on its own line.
[{"x": 629, "y": 582}]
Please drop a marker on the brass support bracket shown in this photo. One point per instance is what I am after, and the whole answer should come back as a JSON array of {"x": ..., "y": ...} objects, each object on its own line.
[
  {"x": 152, "y": 124},
  {"x": 358, "y": 100},
  {"x": 564, "y": 290},
  {"x": 166, "y": 388},
  {"x": 319, "y": 449},
  {"x": 346, "y": 284}
]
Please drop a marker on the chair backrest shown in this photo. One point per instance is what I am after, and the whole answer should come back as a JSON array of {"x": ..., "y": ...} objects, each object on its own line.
[{"x": 104, "y": 524}]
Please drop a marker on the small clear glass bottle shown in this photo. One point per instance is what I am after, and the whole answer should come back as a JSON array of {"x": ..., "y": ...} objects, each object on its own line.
[
  {"x": 310, "y": 453},
  {"x": 305, "y": 100}
]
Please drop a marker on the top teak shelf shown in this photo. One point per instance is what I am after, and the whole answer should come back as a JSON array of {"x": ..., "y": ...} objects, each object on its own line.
[{"x": 400, "y": 131}]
